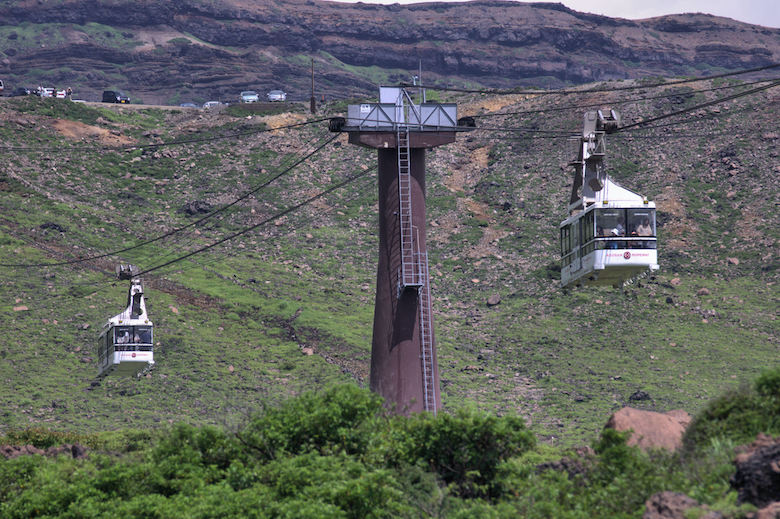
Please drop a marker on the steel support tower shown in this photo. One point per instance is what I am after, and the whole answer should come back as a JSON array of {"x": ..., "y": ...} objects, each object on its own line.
[{"x": 404, "y": 368}]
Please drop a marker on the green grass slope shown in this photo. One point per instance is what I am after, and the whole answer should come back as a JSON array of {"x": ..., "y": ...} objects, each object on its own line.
[{"x": 234, "y": 324}]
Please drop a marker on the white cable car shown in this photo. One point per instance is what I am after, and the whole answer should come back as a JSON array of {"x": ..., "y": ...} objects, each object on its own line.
[
  {"x": 126, "y": 343},
  {"x": 610, "y": 235}
]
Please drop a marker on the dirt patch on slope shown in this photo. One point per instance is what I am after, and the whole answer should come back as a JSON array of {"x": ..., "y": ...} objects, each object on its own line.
[
  {"x": 680, "y": 228},
  {"x": 492, "y": 104},
  {"x": 285, "y": 119},
  {"x": 159, "y": 36},
  {"x": 77, "y": 131},
  {"x": 463, "y": 173},
  {"x": 746, "y": 228}
]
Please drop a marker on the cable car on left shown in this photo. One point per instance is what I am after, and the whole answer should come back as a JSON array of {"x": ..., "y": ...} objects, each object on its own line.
[{"x": 126, "y": 342}]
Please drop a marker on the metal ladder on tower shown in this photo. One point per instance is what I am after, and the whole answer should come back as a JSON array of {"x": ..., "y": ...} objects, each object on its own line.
[
  {"x": 414, "y": 269},
  {"x": 426, "y": 338},
  {"x": 410, "y": 275}
]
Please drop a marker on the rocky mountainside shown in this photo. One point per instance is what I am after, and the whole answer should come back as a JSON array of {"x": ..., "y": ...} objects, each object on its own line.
[{"x": 167, "y": 52}]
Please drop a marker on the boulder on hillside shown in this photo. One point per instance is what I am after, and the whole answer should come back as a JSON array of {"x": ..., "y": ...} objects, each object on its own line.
[
  {"x": 757, "y": 479},
  {"x": 494, "y": 300},
  {"x": 681, "y": 416},
  {"x": 768, "y": 512},
  {"x": 196, "y": 207},
  {"x": 668, "y": 505},
  {"x": 14, "y": 451},
  {"x": 52, "y": 226},
  {"x": 650, "y": 429},
  {"x": 74, "y": 450}
]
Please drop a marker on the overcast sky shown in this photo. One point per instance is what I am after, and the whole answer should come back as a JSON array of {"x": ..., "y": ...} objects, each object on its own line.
[{"x": 759, "y": 12}]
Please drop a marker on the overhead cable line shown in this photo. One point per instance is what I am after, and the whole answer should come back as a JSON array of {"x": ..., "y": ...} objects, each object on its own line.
[
  {"x": 177, "y": 142},
  {"x": 619, "y": 102},
  {"x": 263, "y": 222},
  {"x": 177, "y": 230},
  {"x": 589, "y": 90},
  {"x": 698, "y": 107},
  {"x": 105, "y": 284},
  {"x": 636, "y": 126},
  {"x": 289, "y": 229},
  {"x": 552, "y": 133},
  {"x": 691, "y": 120}
]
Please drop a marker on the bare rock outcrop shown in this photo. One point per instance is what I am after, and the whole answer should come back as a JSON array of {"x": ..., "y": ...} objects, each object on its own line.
[
  {"x": 650, "y": 429},
  {"x": 668, "y": 505},
  {"x": 757, "y": 479},
  {"x": 75, "y": 450}
]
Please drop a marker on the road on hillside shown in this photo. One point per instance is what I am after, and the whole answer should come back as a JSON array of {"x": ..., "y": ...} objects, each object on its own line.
[{"x": 253, "y": 107}]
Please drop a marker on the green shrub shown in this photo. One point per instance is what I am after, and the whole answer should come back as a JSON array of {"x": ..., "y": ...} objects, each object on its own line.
[
  {"x": 40, "y": 437},
  {"x": 337, "y": 480},
  {"x": 738, "y": 415},
  {"x": 768, "y": 384},
  {"x": 465, "y": 449},
  {"x": 58, "y": 108},
  {"x": 334, "y": 420},
  {"x": 205, "y": 446}
]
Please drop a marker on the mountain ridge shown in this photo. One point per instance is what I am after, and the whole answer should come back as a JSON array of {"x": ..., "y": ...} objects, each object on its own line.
[{"x": 209, "y": 50}]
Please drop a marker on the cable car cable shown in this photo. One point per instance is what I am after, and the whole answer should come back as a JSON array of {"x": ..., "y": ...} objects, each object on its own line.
[
  {"x": 303, "y": 221},
  {"x": 190, "y": 237},
  {"x": 697, "y": 107},
  {"x": 113, "y": 282},
  {"x": 177, "y": 230},
  {"x": 590, "y": 90},
  {"x": 263, "y": 222},
  {"x": 619, "y": 102},
  {"x": 631, "y": 127}
]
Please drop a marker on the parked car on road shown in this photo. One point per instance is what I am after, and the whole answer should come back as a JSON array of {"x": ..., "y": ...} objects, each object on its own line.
[
  {"x": 276, "y": 95},
  {"x": 21, "y": 91},
  {"x": 188, "y": 105},
  {"x": 2, "y": 87},
  {"x": 114, "y": 96},
  {"x": 249, "y": 96},
  {"x": 211, "y": 104}
]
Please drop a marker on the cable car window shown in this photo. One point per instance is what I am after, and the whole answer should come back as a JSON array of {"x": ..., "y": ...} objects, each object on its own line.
[
  {"x": 123, "y": 334},
  {"x": 641, "y": 222},
  {"x": 143, "y": 335},
  {"x": 610, "y": 222},
  {"x": 575, "y": 235},
  {"x": 587, "y": 227},
  {"x": 563, "y": 246}
]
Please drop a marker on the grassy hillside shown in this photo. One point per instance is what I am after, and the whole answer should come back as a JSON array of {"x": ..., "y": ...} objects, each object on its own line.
[{"x": 233, "y": 322}]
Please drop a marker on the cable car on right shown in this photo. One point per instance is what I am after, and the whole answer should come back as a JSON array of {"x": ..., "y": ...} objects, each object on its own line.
[{"x": 610, "y": 234}]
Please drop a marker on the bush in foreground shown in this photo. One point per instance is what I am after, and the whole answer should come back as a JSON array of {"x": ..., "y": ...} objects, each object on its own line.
[{"x": 339, "y": 454}]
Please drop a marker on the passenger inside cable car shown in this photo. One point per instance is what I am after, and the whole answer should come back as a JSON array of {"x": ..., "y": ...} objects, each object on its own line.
[
  {"x": 610, "y": 224},
  {"x": 134, "y": 335}
]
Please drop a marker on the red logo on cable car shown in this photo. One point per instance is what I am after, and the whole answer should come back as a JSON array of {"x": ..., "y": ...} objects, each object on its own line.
[
  {"x": 627, "y": 255},
  {"x": 133, "y": 355}
]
